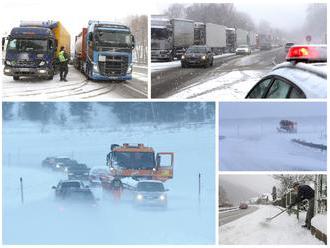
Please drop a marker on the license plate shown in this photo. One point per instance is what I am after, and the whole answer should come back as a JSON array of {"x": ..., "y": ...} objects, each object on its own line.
[{"x": 101, "y": 58}]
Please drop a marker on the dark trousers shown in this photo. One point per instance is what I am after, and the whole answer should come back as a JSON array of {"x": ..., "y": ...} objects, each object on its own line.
[
  {"x": 63, "y": 71},
  {"x": 310, "y": 213}
]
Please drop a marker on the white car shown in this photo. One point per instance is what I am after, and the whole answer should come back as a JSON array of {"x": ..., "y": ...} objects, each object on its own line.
[
  {"x": 150, "y": 193},
  {"x": 304, "y": 75},
  {"x": 243, "y": 49}
]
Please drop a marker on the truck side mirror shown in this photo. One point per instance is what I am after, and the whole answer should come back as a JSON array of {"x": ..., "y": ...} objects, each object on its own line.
[
  {"x": 157, "y": 160},
  {"x": 133, "y": 41},
  {"x": 3, "y": 43}
]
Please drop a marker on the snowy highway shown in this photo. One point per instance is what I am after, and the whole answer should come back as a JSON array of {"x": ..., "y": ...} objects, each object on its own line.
[
  {"x": 231, "y": 76},
  {"x": 231, "y": 215},
  {"x": 253, "y": 229},
  {"x": 77, "y": 87},
  {"x": 185, "y": 221}
]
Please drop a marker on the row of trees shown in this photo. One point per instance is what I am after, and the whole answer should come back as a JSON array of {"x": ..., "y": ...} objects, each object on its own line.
[
  {"x": 139, "y": 27},
  {"x": 125, "y": 112}
]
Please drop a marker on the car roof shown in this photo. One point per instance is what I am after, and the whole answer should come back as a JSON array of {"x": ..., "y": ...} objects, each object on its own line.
[{"x": 310, "y": 78}]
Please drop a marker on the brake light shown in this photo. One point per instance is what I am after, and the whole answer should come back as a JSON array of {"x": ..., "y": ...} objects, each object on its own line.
[{"x": 307, "y": 53}]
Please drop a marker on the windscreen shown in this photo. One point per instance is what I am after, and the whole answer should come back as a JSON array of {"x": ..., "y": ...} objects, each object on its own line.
[
  {"x": 114, "y": 38},
  {"x": 134, "y": 160},
  {"x": 150, "y": 187},
  {"x": 25, "y": 45},
  {"x": 159, "y": 33},
  {"x": 196, "y": 50}
]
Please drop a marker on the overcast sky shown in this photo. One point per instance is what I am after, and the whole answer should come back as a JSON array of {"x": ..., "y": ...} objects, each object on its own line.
[
  {"x": 281, "y": 14},
  {"x": 74, "y": 14},
  {"x": 258, "y": 183},
  {"x": 247, "y": 110}
]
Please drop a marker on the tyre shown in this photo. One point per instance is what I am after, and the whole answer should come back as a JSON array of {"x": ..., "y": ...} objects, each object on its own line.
[{"x": 16, "y": 78}]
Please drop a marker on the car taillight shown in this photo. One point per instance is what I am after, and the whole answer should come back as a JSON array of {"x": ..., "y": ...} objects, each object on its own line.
[{"x": 307, "y": 53}]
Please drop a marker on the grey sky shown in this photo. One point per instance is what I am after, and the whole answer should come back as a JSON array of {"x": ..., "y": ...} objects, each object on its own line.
[
  {"x": 247, "y": 110},
  {"x": 258, "y": 183}
]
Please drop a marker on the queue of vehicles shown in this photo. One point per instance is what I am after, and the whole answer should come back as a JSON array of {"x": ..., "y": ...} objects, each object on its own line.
[
  {"x": 134, "y": 170},
  {"x": 170, "y": 38},
  {"x": 102, "y": 51}
]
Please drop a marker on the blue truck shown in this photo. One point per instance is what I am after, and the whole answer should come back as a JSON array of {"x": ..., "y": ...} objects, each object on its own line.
[
  {"x": 103, "y": 51},
  {"x": 32, "y": 49}
]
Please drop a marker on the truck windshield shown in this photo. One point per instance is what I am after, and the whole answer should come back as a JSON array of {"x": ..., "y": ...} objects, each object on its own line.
[
  {"x": 25, "y": 45},
  {"x": 159, "y": 33},
  {"x": 134, "y": 160},
  {"x": 118, "y": 39}
]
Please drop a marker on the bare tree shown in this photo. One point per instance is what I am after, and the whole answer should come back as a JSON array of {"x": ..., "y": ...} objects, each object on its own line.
[{"x": 176, "y": 10}]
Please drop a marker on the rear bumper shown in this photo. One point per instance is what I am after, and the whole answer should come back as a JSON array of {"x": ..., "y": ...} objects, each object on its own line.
[{"x": 27, "y": 72}]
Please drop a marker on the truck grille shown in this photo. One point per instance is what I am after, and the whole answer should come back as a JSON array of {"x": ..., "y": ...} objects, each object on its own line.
[
  {"x": 155, "y": 45},
  {"x": 114, "y": 66},
  {"x": 25, "y": 63}
]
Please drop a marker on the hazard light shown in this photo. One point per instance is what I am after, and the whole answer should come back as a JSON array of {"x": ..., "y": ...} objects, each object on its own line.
[{"x": 316, "y": 53}]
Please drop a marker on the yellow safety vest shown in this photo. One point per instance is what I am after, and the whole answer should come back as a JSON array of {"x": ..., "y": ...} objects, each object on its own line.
[{"x": 61, "y": 57}]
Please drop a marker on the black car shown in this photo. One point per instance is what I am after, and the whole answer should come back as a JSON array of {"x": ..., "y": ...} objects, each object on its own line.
[
  {"x": 197, "y": 56},
  {"x": 58, "y": 163},
  {"x": 78, "y": 171},
  {"x": 80, "y": 196},
  {"x": 63, "y": 187}
]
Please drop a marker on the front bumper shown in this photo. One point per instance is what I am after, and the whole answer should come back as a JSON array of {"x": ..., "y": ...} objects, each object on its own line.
[
  {"x": 27, "y": 72},
  {"x": 194, "y": 62},
  {"x": 97, "y": 76}
]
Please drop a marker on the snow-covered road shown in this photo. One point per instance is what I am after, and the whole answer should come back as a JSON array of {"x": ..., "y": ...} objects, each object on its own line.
[
  {"x": 252, "y": 229},
  {"x": 42, "y": 221}
]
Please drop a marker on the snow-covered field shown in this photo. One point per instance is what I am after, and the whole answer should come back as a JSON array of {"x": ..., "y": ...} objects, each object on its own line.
[
  {"x": 42, "y": 221},
  {"x": 256, "y": 145},
  {"x": 253, "y": 229}
]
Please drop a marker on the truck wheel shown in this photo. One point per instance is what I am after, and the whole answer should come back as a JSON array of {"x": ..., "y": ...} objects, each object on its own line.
[{"x": 16, "y": 78}]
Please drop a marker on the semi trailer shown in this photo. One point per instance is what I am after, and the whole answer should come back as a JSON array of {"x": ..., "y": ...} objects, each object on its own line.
[
  {"x": 103, "y": 51},
  {"x": 33, "y": 47}
]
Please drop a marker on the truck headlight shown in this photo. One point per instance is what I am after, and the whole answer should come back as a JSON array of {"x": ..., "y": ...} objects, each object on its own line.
[
  {"x": 7, "y": 70},
  {"x": 139, "y": 197},
  {"x": 66, "y": 169},
  {"x": 130, "y": 69},
  {"x": 42, "y": 71},
  {"x": 95, "y": 68},
  {"x": 183, "y": 57},
  {"x": 42, "y": 63},
  {"x": 162, "y": 198},
  {"x": 8, "y": 62},
  {"x": 57, "y": 166},
  {"x": 203, "y": 57}
]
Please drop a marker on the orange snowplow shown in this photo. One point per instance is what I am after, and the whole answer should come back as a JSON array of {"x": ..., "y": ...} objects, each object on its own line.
[{"x": 139, "y": 162}]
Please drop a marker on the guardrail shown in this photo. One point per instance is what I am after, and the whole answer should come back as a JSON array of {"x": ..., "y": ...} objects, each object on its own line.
[{"x": 310, "y": 144}]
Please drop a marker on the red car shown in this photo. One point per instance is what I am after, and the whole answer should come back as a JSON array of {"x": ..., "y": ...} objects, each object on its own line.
[{"x": 243, "y": 205}]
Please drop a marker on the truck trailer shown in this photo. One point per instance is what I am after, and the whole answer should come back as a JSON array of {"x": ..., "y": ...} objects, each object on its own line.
[
  {"x": 170, "y": 37},
  {"x": 103, "y": 51},
  {"x": 216, "y": 37},
  {"x": 32, "y": 49}
]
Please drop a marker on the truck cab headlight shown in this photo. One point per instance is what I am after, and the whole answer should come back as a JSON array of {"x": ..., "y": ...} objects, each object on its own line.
[
  {"x": 139, "y": 197},
  {"x": 203, "y": 57},
  {"x": 95, "y": 68},
  {"x": 42, "y": 63},
  {"x": 183, "y": 57},
  {"x": 8, "y": 62},
  {"x": 130, "y": 69}
]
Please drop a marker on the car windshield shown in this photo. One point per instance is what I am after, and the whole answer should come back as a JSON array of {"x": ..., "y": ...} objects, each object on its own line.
[
  {"x": 70, "y": 185},
  {"x": 159, "y": 33},
  {"x": 114, "y": 38},
  {"x": 25, "y": 45},
  {"x": 289, "y": 44},
  {"x": 150, "y": 187},
  {"x": 196, "y": 50},
  {"x": 134, "y": 160}
]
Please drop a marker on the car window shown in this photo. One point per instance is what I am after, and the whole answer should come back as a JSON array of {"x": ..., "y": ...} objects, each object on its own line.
[
  {"x": 260, "y": 89},
  {"x": 279, "y": 89},
  {"x": 295, "y": 93}
]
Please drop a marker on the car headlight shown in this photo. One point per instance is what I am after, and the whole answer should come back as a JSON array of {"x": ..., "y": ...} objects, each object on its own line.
[
  {"x": 57, "y": 166},
  {"x": 162, "y": 197},
  {"x": 183, "y": 57},
  {"x": 42, "y": 63},
  {"x": 203, "y": 57},
  {"x": 139, "y": 197},
  {"x": 66, "y": 169},
  {"x": 8, "y": 62}
]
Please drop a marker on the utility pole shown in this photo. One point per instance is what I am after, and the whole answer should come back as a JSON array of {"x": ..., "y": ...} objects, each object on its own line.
[{"x": 22, "y": 194}]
